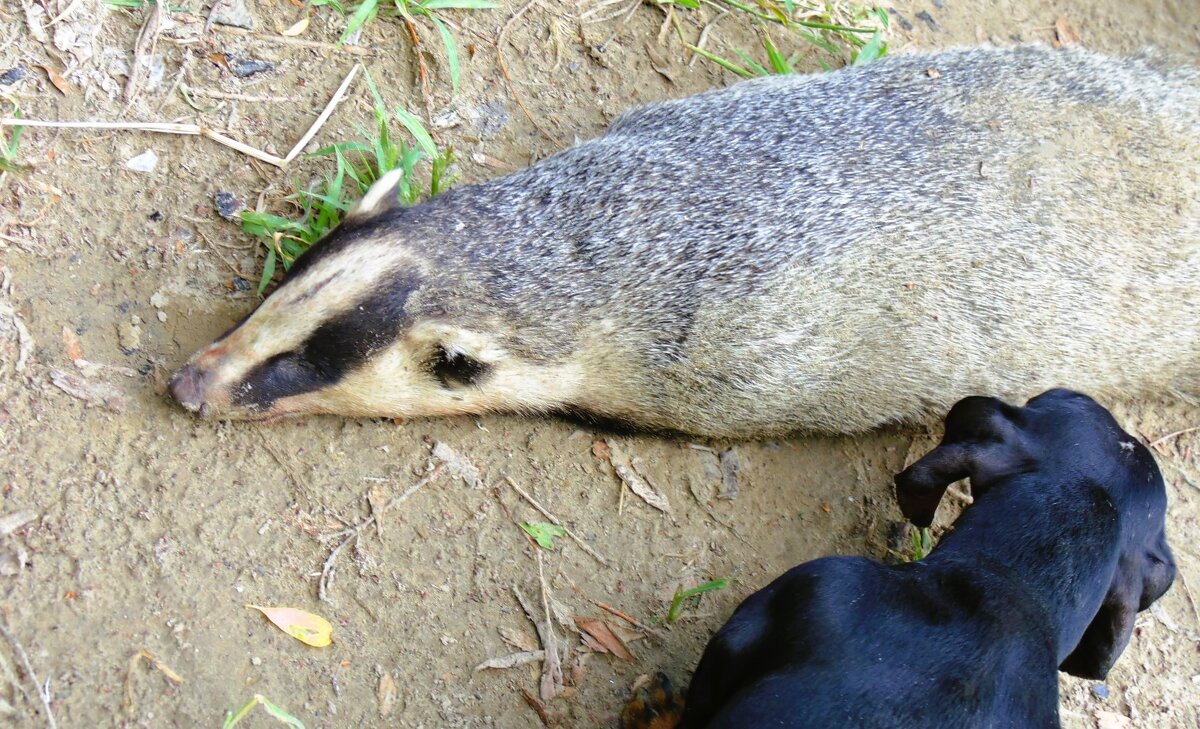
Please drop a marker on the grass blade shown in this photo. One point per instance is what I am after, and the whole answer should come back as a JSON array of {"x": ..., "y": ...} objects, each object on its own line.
[
  {"x": 727, "y": 65},
  {"x": 451, "y": 50},
  {"x": 871, "y": 52},
  {"x": 417, "y": 129},
  {"x": 457, "y": 5},
  {"x": 362, "y": 14}
]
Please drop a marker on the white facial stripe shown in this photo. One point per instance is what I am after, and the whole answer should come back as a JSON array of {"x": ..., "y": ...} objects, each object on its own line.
[{"x": 289, "y": 316}]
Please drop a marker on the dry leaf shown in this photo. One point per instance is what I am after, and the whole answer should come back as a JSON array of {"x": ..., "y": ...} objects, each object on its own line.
[
  {"x": 220, "y": 60},
  {"x": 301, "y": 625},
  {"x": 9, "y": 523},
  {"x": 603, "y": 634},
  {"x": 387, "y": 694},
  {"x": 512, "y": 660},
  {"x": 458, "y": 464},
  {"x": 297, "y": 28},
  {"x": 94, "y": 394},
  {"x": 56, "y": 78},
  {"x": 1063, "y": 35},
  {"x": 519, "y": 639},
  {"x": 601, "y": 450},
  {"x": 632, "y": 473},
  {"x": 72, "y": 345}
]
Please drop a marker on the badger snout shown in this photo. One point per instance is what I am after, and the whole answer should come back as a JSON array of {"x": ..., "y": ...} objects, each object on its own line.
[{"x": 188, "y": 388}]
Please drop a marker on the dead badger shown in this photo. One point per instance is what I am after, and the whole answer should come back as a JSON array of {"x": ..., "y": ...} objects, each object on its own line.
[{"x": 826, "y": 252}]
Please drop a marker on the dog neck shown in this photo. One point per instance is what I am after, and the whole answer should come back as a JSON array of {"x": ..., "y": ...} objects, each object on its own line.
[{"x": 1055, "y": 544}]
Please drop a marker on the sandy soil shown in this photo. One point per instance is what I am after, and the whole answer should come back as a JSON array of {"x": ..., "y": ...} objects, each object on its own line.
[{"x": 151, "y": 530}]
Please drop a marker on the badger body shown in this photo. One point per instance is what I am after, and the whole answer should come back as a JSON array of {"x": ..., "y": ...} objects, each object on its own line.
[{"x": 827, "y": 252}]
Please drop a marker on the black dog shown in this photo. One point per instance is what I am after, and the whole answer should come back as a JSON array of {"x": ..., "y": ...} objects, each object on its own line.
[{"x": 1046, "y": 571}]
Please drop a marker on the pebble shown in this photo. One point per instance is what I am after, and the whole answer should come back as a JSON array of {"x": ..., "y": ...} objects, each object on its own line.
[
  {"x": 159, "y": 300},
  {"x": 234, "y": 13},
  {"x": 227, "y": 205},
  {"x": 255, "y": 661},
  {"x": 12, "y": 75},
  {"x": 1100, "y": 690},
  {"x": 144, "y": 162},
  {"x": 245, "y": 67},
  {"x": 162, "y": 317},
  {"x": 129, "y": 335}
]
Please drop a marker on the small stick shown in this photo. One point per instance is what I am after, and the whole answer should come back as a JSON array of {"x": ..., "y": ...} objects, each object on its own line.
[
  {"x": 160, "y": 127},
  {"x": 537, "y": 706},
  {"x": 333, "y": 102},
  {"x": 556, "y": 521},
  {"x": 1169, "y": 436},
  {"x": 355, "y": 531},
  {"x": 422, "y": 68},
  {"x": 964, "y": 498},
  {"x": 288, "y": 41},
  {"x": 215, "y": 94},
  {"x": 644, "y": 628},
  {"x": 19, "y": 652}
]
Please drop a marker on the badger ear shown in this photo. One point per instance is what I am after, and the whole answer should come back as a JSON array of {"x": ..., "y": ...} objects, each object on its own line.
[{"x": 381, "y": 195}]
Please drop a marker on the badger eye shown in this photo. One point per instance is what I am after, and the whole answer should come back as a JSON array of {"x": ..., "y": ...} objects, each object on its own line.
[{"x": 456, "y": 368}]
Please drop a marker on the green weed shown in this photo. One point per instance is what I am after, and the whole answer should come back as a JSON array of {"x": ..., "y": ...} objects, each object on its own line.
[
  {"x": 840, "y": 32},
  {"x": 681, "y": 595},
  {"x": 412, "y": 11},
  {"x": 10, "y": 140},
  {"x": 231, "y": 719},
  {"x": 357, "y": 163}
]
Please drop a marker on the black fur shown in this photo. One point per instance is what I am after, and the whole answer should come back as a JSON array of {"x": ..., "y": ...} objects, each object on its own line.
[
  {"x": 1064, "y": 544},
  {"x": 341, "y": 344}
]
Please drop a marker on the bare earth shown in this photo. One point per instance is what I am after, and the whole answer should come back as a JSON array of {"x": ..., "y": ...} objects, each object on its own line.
[{"x": 153, "y": 530}]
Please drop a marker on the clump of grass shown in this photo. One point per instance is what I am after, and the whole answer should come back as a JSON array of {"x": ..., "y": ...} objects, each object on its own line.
[
  {"x": 232, "y": 719},
  {"x": 10, "y": 141},
  {"x": 412, "y": 11},
  {"x": 840, "y": 31},
  {"x": 922, "y": 544},
  {"x": 682, "y": 595},
  {"x": 358, "y": 164}
]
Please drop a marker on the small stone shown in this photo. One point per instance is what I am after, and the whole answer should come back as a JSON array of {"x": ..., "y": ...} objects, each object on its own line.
[
  {"x": 144, "y": 162},
  {"x": 159, "y": 300},
  {"x": 234, "y": 13},
  {"x": 1100, "y": 690},
  {"x": 162, "y": 317},
  {"x": 129, "y": 335},
  {"x": 227, "y": 205},
  {"x": 12, "y": 75},
  {"x": 137, "y": 320},
  {"x": 491, "y": 118},
  {"x": 255, "y": 661},
  {"x": 246, "y": 67},
  {"x": 242, "y": 284}
]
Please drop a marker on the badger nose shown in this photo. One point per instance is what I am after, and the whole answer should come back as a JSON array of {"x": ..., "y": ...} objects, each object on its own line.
[{"x": 187, "y": 387}]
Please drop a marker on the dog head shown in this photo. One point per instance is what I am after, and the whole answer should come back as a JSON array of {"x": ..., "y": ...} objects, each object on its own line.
[{"x": 1069, "y": 438}]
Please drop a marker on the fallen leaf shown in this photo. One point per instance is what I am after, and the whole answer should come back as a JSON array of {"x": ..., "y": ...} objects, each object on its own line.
[
  {"x": 72, "y": 345},
  {"x": 1112, "y": 720},
  {"x": 604, "y": 635},
  {"x": 519, "y": 639},
  {"x": 512, "y": 660},
  {"x": 9, "y": 523},
  {"x": 297, "y": 28},
  {"x": 301, "y": 625},
  {"x": 628, "y": 471},
  {"x": 601, "y": 450},
  {"x": 543, "y": 533},
  {"x": 56, "y": 78},
  {"x": 94, "y": 394},
  {"x": 220, "y": 60},
  {"x": 825, "y": 508},
  {"x": 458, "y": 464},
  {"x": 731, "y": 465},
  {"x": 387, "y": 694},
  {"x": 1063, "y": 35},
  {"x": 378, "y": 502}
]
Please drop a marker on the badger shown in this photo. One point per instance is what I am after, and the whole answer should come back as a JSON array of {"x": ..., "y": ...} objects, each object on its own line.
[{"x": 826, "y": 252}]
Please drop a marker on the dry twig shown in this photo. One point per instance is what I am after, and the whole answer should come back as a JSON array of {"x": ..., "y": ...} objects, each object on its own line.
[
  {"x": 23, "y": 659},
  {"x": 556, "y": 521},
  {"x": 512, "y": 87}
]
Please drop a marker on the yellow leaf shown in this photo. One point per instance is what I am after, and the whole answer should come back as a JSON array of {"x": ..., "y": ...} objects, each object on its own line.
[
  {"x": 303, "y": 626},
  {"x": 297, "y": 28}
]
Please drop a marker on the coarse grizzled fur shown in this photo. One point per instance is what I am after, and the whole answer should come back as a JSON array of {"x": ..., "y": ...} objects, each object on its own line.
[
  {"x": 1046, "y": 571},
  {"x": 826, "y": 252}
]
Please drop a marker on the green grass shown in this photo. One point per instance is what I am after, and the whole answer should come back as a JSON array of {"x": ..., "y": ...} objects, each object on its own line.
[
  {"x": 413, "y": 11},
  {"x": 853, "y": 34},
  {"x": 682, "y": 595},
  {"x": 232, "y": 719},
  {"x": 10, "y": 141},
  {"x": 357, "y": 164}
]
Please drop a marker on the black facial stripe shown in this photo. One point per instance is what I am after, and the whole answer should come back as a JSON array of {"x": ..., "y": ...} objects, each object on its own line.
[
  {"x": 345, "y": 235},
  {"x": 456, "y": 368},
  {"x": 334, "y": 349}
]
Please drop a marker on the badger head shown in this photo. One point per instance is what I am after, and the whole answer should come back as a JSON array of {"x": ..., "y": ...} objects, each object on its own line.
[{"x": 365, "y": 324}]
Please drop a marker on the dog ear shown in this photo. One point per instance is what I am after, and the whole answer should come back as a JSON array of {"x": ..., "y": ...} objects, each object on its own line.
[
  {"x": 1140, "y": 580},
  {"x": 920, "y": 487}
]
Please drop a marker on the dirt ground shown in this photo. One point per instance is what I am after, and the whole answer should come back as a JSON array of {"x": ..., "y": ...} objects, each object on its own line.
[{"x": 151, "y": 531}]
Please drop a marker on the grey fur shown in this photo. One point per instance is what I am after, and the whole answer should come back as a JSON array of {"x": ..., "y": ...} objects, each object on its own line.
[{"x": 836, "y": 251}]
